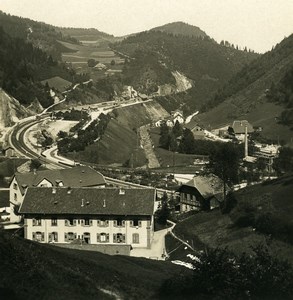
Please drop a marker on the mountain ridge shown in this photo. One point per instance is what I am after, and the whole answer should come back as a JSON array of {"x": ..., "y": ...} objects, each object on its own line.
[{"x": 180, "y": 28}]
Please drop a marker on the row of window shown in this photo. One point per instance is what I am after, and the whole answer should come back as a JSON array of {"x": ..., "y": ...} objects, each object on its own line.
[
  {"x": 188, "y": 197},
  {"x": 89, "y": 222},
  {"x": 86, "y": 237}
]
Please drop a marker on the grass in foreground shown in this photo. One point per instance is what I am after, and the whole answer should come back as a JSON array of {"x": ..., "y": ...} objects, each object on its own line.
[{"x": 31, "y": 270}]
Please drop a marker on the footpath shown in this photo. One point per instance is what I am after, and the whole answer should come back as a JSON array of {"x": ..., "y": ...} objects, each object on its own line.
[{"x": 146, "y": 143}]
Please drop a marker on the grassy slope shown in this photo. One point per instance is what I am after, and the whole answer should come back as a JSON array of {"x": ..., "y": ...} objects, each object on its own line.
[
  {"x": 167, "y": 158},
  {"x": 216, "y": 230},
  {"x": 120, "y": 141},
  {"x": 250, "y": 103},
  {"x": 33, "y": 271}
]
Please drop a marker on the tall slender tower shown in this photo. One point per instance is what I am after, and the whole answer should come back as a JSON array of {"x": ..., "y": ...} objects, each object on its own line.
[{"x": 245, "y": 143}]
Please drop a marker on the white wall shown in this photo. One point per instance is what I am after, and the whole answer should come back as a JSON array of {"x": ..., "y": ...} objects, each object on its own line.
[{"x": 80, "y": 229}]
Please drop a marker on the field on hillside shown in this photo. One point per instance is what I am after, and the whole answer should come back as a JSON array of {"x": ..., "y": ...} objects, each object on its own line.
[
  {"x": 168, "y": 158},
  {"x": 82, "y": 53},
  {"x": 213, "y": 229},
  {"x": 264, "y": 115},
  {"x": 30, "y": 270},
  {"x": 270, "y": 202}
]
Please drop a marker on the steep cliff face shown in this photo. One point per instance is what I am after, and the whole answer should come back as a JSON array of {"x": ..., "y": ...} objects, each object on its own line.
[
  {"x": 11, "y": 110},
  {"x": 182, "y": 84},
  {"x": 35, "y": 107}
]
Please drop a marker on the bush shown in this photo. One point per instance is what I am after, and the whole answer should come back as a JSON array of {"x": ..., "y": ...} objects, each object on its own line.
[
  {"x": 245, "y": 220},
  {"x": 220, "y": 274},
  {"x": 229, "y": 204},
  {"x": 265, "y": 223}
]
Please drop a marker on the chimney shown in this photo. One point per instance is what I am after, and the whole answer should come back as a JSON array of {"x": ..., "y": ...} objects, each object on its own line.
[
  {"x": 35, "y": 171},
  {"x": 69, "y": 190},
  {"x": 54, "y": 190},
  {"x": 121, "y": 191},
  {"x": 82, "y": 202},
  {"x": 104, "y": 203},
  {"x": 245, "y": 143}
]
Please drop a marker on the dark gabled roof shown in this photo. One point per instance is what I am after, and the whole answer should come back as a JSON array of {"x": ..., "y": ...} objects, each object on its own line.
[
  {"x": 239, "y": 127},
  {"x": 88, "y": 201},
  {"x": 208, "y": 186},
  {"x": 4, "y": 198},
  {"x": 80, "y": 176}
]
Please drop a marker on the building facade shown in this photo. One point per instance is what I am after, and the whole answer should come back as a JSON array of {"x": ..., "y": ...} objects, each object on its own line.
[
  {"x": 81, "y": 176},
  {"x": 201, "y": 193},
  {"x": 109, "y": 216}
]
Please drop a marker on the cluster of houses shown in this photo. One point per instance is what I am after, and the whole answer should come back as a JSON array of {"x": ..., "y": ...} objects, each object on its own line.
[
  {"x": 76, "y": 207},
  {"x": 176, "y": 116}
]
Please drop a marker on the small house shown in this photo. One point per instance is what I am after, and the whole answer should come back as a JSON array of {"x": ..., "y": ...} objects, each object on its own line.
[
  {"x": 9, "y": 152},
  {"x": 201, "y": 193}
]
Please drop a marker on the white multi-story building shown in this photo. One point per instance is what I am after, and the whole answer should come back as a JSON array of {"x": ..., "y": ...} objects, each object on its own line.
[
  {"x": 108, "y": 216},
  {"x": 80, "y": 176}
]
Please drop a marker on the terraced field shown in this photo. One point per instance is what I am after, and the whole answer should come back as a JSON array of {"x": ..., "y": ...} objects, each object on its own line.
[{"x": 82, "y": 53}]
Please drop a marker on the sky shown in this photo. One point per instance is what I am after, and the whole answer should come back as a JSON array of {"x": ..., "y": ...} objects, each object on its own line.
[{"x": 257, "y": 24}]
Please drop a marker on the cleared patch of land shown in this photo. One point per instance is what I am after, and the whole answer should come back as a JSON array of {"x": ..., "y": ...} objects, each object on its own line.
[
  {"x": 263, "y": 115},
  {"x": 57, "y": 83},
  {"x": 99, "y": 52},
  {"x": 170, "y": 159}
]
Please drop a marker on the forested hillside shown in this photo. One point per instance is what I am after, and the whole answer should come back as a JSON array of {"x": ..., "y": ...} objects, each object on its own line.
[
  {"x": 181, "y": 28},
  {"x": 282, "y": 93},
  {"x": 201, "y": 59},
  {"x": 41, "y": 35},
  {"x": 29, "y": 53},
  {"x": 260, "y": 92},
  {"x": 85, "y": 34},
  {"x": 282, "y": 54}
]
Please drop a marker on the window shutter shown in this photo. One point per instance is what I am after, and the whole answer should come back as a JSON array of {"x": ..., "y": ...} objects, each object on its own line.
[
  {"x": 98, "y": 222},
  {"x": 115, "y": 238},
  {"x": 82, "y": 222},
  {"x": 123, "y": 223},
  {"x": 107, "y": 237},
  {"x": 50, "y": 237},
  {"x": 91, "y": 222},
  {"x": 65, "y": 237},
  {"x": 139, "y": 223},
  {"x": 34, "y": 222},
  {"x": 34, "y": 236},
  {"x": 123, "y": 238},
  {"x": 98, "y": 237},
  {"x": 131, "y": 223},
  {"x": 43, "y": 236},
  {"x": 107, "y": 223},
  {"x": 74, "y": 222},
  {"x": 115, "y": 223}
]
